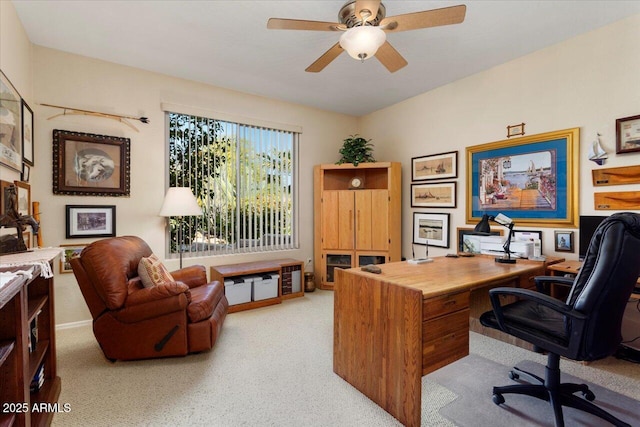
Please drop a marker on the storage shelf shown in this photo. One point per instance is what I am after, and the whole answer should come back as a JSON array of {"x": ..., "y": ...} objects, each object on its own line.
[
  {"x": 35, "y": 305},
  {"x": 5, "y": 350}
]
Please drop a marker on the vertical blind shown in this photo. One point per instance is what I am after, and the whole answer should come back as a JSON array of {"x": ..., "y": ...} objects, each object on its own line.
[{"x": 244, "y": 177}]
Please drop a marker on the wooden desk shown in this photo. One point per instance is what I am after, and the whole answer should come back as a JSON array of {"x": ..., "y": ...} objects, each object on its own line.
[
  {"x": 392, "y": 328},
  {"x": 570, "y": 267}
]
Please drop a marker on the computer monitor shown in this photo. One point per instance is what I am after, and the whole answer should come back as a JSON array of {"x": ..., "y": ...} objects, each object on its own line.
[{"x": 588, "y": 226}]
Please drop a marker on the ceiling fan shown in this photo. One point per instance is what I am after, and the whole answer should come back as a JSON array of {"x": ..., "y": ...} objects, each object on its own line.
[{"x": 365, "y": 27}]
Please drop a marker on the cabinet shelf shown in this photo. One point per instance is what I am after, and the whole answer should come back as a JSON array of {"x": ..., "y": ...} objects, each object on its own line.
[
  {"x": 5, "y": 350},
  {"x": 23, "y": 301}
]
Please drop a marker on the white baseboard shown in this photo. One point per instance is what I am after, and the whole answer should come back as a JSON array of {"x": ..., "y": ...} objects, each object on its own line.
[{"x": 73, "y": 324}]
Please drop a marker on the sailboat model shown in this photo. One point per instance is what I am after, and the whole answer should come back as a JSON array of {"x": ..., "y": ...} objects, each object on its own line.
[{"x": 596, "y": 153}]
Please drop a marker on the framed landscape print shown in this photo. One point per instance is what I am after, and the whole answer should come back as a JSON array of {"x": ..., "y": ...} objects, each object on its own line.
[
  {"x": 433, "y": 195},
  {"x": 90, "y": 165},
  {"x": 27, "y": 134},
  {"x": 435, "y": 166},
  {"x": 90, "y": 221},
  {"x": 431, "y": 229},
  {"x": 68, "y": 253},
  {"x": 533, "y": 179},
  {"x": 470, "y": 242},
  {"x": 10, "y": 125}
]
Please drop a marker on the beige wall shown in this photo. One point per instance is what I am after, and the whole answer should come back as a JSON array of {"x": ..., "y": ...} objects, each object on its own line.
[{"x": 586, "y": 82}]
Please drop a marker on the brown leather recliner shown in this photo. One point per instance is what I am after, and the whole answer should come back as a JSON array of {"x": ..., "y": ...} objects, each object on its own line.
[{"x": 134, "y": 322}]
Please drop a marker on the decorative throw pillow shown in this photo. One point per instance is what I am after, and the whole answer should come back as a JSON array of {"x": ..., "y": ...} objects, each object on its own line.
[{"x": 153, "y": 273}]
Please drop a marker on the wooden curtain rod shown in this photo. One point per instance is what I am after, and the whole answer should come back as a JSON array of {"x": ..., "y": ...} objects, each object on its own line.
[{"x": 118, "y": 117}]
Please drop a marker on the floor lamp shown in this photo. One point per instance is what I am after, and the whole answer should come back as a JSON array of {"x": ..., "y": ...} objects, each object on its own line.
[{"x": 180, "y": 202}]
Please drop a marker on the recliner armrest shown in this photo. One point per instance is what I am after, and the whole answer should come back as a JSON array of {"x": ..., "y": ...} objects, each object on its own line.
[
  {"x": 192, "y": 276},
  {"x": 156, "y": 293},
  {"x": 151, "y": 310}
]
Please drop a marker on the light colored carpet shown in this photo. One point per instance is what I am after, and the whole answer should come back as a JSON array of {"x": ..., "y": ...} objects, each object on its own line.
[{"x": 271, "y": 367}]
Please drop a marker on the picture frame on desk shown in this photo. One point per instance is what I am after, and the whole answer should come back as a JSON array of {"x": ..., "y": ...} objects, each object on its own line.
[
  {"x": 533, "y": 179},
  {"x": 431, "y": 229},
  {"x": 564, "y": 241},
  {"x": 468, "y": 242}
]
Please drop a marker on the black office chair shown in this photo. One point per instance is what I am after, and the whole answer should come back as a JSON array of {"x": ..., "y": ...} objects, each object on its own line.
[{"x": 585, "y": 327}]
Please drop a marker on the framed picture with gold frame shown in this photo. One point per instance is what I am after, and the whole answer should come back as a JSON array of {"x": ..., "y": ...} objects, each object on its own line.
[{"x": 532, "y": 179}]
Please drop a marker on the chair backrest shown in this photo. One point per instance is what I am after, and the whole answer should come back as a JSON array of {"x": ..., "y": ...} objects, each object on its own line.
[
  {"x": 602, "y": 288},
  {"x": 105, "y": 268}
]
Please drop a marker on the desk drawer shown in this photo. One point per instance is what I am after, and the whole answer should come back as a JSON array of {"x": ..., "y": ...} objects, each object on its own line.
[
  {"x": 435, "y": 307},
  {"x": 444, "y": 340}
]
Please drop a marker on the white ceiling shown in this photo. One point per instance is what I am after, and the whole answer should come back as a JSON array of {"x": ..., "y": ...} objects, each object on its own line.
[{"x": 227, "y": 44}]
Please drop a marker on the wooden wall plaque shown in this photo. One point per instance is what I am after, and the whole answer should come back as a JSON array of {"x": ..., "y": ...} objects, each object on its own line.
[
  {"x": 627, "y": 200},
  {"x": 616, "y": 176}
]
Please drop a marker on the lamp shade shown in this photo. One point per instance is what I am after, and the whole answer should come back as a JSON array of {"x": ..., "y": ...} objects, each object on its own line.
[
  {"x": 483, "y": 226},
  {"x": 362, "y": 42},
  {"x": 180, "y": 201}
]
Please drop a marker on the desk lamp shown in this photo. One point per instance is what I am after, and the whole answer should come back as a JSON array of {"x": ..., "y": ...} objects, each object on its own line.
[
  {"x": 483, "y": 228},
  {"x": 180, "y": 202}
]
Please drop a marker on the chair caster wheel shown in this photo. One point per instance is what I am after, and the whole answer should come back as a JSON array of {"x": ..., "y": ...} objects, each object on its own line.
[
  {"x": 513, "y": 375},
  {"x": 589, "y": 395},
  {"x": 498, "y": 398}
]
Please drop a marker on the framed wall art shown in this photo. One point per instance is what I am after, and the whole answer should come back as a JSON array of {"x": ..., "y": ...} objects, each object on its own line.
[
  {"x": 533, "y": 179},
  {"x": 27, "y": 134},
  {"x": 564, "y": 241},
  {"x": 90, "y": 165},
  {"x": 24, "y": 197},
  {"x": 435, "y": 166},
  {"x": 90, "y": 221},
  {"x": 68, "y": 253},
  {"x": 431, "y": 229},
  {"x": 433, "y": 195},
  {"x": 470, "y": 242},
  {"x": 10, "y": 125},
  {"x": 628, "y": 134}
]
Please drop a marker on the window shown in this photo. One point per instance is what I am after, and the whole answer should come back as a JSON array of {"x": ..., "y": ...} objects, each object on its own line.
[{"x": 244, "y": 178}]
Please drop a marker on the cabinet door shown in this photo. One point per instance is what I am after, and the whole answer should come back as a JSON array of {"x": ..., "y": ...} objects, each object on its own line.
[
  {"x": 372, "y": 220},
  {"x": 337, "y": 219}
]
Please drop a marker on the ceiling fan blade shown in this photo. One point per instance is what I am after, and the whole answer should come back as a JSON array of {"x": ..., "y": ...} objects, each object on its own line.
[
  {"x": 370, "y": 5},
  {"x": 300, "y": 24},
  {"x": 325, "y": 59},
  {"x": 390, "y": 57},
  {"x": 426, "y": 19}
]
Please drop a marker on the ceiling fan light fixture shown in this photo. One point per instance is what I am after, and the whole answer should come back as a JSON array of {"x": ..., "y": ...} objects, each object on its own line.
[{"x": 362, "y": 42}]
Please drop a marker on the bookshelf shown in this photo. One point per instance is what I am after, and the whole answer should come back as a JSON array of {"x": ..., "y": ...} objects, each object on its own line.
[{"x": 27, "y": 302}]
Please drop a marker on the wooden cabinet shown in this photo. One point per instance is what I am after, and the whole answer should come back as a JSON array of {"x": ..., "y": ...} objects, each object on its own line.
[
  {"x": 290, "y": 279},
  {"x": 354, "y": 227},
  {"x": 27, "y": 351}
]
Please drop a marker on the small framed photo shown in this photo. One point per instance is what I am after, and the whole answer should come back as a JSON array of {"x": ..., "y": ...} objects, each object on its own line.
[
  {"x": 628, "y": 134},
  {"x": 68, "y": 253},
  {"x": 27, "y": 134},
  {"x": 23, "y": 191},
  {"x": 435, "y": 166},
  {"x": 90, "y": 221},
  {"x": 515, "y": 130},
  {"x": 564, "y": 241},
  {"x": 431, "y": 229},
  {"x": 26, "y": 172},
  {"x": 433, "y": 195}
]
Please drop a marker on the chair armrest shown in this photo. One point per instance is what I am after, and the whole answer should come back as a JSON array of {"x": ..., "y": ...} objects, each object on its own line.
[
  {"x": 192, "y": 276},
  {"x": 540, "y": 281},
  {"x": 155, "y": 293},
  {"x": 528, "y": 294},
  {"x": 152, "y": 309}
]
